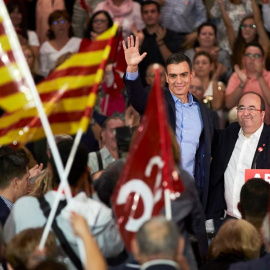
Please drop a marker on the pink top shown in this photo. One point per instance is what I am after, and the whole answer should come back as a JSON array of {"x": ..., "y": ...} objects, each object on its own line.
[{"x": 251, "y": 85}]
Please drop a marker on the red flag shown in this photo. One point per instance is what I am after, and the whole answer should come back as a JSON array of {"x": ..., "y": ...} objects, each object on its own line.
[{"x": 149, "y": 170}]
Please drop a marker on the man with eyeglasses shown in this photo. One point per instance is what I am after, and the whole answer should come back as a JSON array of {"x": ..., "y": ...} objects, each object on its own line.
[
  {"x": 253, "y": 77},
  {"x": 242, "y": 145}
]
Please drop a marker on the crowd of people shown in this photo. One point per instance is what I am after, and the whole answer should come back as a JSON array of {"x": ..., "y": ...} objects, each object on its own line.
[{"x": 213, "y": 60}]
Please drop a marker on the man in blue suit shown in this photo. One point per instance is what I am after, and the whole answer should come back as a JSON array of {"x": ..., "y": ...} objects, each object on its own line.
[
  {"x": 14, "y": 179},
  {"x": 188, "y": 117}
]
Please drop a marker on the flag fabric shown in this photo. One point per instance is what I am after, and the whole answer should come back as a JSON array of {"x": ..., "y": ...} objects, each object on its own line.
[
  {"x": 14, "y": 92},
  {"x": 68, "y": 95},
  {"x": 148, "y": 171}
]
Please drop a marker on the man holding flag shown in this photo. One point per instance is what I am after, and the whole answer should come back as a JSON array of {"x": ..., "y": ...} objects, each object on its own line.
[{"x": 188, "y": 117}]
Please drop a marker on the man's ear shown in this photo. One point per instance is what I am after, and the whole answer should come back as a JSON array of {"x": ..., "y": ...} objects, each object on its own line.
[
  {"x": 181, "y": 245},
  {"x": 15, "y": 183},
  {"x": 239, "y": 207},
  {"x": 135, "y": 249}
]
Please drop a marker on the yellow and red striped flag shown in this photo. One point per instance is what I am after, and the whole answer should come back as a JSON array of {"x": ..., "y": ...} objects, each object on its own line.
[
  {"x": 68, "y": 95},
  {"x": 14, "y": 91}
]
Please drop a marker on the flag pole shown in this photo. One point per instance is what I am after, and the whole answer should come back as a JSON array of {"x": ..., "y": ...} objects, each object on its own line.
[
  {"x": 83, "y": 126},
  {"x": 164, "y": 150},
  {"x": 24, "y": 69}
]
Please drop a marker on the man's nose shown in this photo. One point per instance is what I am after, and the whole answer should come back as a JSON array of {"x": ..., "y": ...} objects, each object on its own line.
[{"x": 179, "y": 79}]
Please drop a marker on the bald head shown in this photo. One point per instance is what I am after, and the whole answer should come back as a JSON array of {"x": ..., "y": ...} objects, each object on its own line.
[{"x": 158, "y": 238}]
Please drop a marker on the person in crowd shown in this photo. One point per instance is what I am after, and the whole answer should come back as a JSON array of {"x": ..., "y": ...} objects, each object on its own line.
[
  {"x": 263, "y": 262},
  {"x": 60, "y": 41},
  {"x": 183, "y": 17},
  {"x": 250, "y": 29},
  {"x": 48, "y": 264},
  {"x": 31, "y": 61},
  {"x": 30, "y": 212},
  {"x": 236, "y": 241},
  {"x": 22, "y": 251},
  {"x": 150, "y": 75},
  {"x": 108, "y": 153},
  {"x": 235, "y": 11},
  {"x": 43, "y": 10},
  {"x": 214, "y": 90},
  {"x": 207, "y": 33},
  {"x": 235, "y": 149},
  {"x": 14, "y": 176},
  {"x": 253, "y": 77},
  {"x": 187, "y": 210},
  {"x": 19, "y": 21},
  {"x": 158, "y": 41},
  {"x": 254, "y": 199},
  {"x": 188, "y": 117},
  {"x": 100, "y": 22},
  {"x": 41, "y": 184},
  {"x": 125, "y": 12},
  {"x": 82, "y": 12},
  {"x": 197, "y": 90},
  {"x": 94, "y": 258},
  {"x": 157, "y": 244}
]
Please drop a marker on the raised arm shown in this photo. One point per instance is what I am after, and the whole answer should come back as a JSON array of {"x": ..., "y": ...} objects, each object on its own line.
[
  {"x": 263, "y": 37},
  {"x": 132, "y": 54}
]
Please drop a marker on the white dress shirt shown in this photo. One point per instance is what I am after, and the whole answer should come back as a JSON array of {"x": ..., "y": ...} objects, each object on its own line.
[{"x": 234, "y": 177}]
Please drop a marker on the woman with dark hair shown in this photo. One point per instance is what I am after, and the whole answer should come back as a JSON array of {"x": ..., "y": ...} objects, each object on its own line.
[
  {"x": 60, "y": 41},
  {"x": 206, "y": 41},
  {"x": 250, "y": 29},
  {"x": 99, "y": 23},
  {"x": 19, "y": 21}
]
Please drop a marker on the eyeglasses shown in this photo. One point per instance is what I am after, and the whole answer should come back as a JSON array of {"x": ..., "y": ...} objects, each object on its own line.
[
  {"x": 99, "y": 21},
  {"x": 251, "y": 26},
  {"x": 251, "y": 109},
  {"x": 255, "y": 55},
  {"x": 197, "y": 88},
  {"x": 59, "y": 22}
]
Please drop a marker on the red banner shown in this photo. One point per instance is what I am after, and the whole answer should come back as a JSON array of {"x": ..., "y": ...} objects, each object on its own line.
[
  {"x": 257, "y": 173},
  {"x": 149, "y": 170}
]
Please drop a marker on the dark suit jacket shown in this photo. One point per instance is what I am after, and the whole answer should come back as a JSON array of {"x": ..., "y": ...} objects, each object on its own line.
[
  {"x": 223, "y": 146},
  {"x": 138, "y": 96},
  {"x": 4, "y": 212}
]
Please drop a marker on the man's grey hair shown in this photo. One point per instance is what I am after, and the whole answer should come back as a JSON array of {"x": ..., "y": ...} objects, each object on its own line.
[{"x": 158, "y": 236}]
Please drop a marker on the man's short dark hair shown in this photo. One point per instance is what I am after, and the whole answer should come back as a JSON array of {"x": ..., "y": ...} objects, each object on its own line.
[
  {"x": 115, "y": 116},
  {"x": 177, "y": 58},
  {"x": 261, "y": 99},
  {"x": 79, "y": 163},
  {"x": 254, "y": 198},
  {"x": 13, "y": 163},
  {"x": 167, "y": 242},
  {"x": 150, "y": 2},
  {"x": 255, "y": 44}
]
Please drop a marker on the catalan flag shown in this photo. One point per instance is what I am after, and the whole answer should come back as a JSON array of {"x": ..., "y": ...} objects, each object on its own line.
[
  {"x": 68, "y": 95},
  {"x": 14, "y": 92}
]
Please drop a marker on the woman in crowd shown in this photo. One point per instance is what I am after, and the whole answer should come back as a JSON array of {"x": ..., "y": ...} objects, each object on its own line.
[
  {"x": 236, "y": 241},
  {"x": 205, "y": 69},
  {"x": 31, "y": 61},
  {"x": 207, "y": 42},
  {"x": 18, "y": 19},
  {"x": 250, "y": 29},
  {"x": 235, "y": 10},
  {"x": 60, "y": 41},
  {"x": 125, "y": 12},
  {"x": 99, "y": 23}
]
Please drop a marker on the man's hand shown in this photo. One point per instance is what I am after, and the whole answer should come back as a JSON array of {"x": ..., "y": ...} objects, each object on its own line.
[
  {"x": 241, "y": 75},
  {"x": 137, "y": 33},
  {"x": 79, "y": 225},
  {"x": 35, "y": 170},
  {"x": 132, "y": 54},
  {"x": 161, "y": 33}
]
